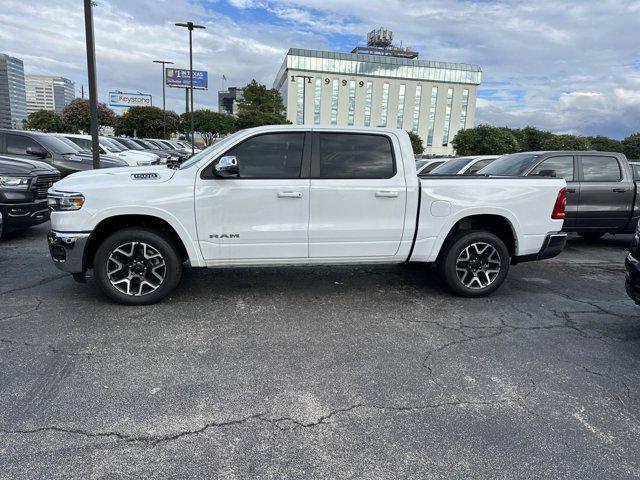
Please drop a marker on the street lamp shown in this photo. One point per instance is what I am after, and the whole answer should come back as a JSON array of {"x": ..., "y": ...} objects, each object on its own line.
[
  {"x": 93, "y": 84},
  {"x": 304, "y": 91},
  {"x": 190, "y": 26},
  {"x": 164, "y": 113}
]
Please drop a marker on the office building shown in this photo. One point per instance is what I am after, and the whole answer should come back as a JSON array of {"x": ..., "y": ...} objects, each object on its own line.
[
  {"x": 48, "y": 93},
  {"x": 13, "y": 103},
  {"x": 380, "y": 85},
  {"x": 228, "y": 100}
]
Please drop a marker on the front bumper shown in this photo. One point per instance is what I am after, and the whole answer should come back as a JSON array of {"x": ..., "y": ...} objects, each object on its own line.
[
  {"x": 551, "y": 247},
  {"x": 632, "y": 278},
  {"x": 23, "y": 215},
  {"x": 67, "y": 250}
]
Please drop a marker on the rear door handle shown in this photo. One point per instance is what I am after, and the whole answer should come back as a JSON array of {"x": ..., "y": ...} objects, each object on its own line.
[
  {"x": 289, "y": 195},
  {"x": 387, "y": 193},
  {"x": 619, "y": 190}
]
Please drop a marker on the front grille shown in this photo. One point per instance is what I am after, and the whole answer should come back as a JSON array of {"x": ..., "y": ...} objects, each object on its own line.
[{"x": 43, "y": 182}]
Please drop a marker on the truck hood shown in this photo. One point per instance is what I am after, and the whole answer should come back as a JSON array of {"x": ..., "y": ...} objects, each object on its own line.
[
  {"x": 121, "y": 177},
  {"x": 17, "y": 166}
]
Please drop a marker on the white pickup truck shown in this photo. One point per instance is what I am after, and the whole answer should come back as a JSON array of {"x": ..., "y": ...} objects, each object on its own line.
[{"x": 295, "y": 195}]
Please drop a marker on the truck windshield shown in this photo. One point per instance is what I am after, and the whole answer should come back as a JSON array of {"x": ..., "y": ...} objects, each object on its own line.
[
  {"x": 452, "y": 166},
  {"x": 512, "y": 165},
  {"x": 205, "y": 153}
]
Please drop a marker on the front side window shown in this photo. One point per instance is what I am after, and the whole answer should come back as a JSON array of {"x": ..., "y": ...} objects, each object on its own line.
[
  {"x": 18, "y": 144},
  {"x": 600, "y": 169},
  {"x": 355, "y": 156},
  {"x": 274, "y": 155},
  {"x": 560, "y": 167}
]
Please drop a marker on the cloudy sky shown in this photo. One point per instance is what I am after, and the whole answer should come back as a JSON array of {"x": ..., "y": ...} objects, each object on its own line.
[{"x": 565, "y": 66}]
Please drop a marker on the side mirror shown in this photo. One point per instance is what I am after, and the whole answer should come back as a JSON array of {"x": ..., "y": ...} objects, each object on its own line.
[
  {"x": 547, "y": 173},
  {"x": 37, "y": 152},
  {"x": 226, "y": 167}
]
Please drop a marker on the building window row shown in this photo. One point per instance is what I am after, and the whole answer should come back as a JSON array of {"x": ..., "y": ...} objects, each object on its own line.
[
  {"x": 384, "y": 111},
  {"x": 300, "y": 101},
  {"x": 334, "y": 102},
  {"x": 401, "y": 106},
  {"x": 447, "y": 118},
  {"x": 416, "y": 109},
  {"x": 352, "y": 102},
  {"x": 367, "y": 104},
  {"x": 432, "y": 115},
  {"x": 465, "y": 106},
  {"x": 316, "y": 101}
]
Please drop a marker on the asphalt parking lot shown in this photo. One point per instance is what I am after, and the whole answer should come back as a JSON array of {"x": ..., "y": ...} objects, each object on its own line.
[{"x": 332, "y": 372}]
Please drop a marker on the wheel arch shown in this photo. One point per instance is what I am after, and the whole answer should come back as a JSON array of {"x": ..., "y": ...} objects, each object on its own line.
[{"x": 114, "y": 223}]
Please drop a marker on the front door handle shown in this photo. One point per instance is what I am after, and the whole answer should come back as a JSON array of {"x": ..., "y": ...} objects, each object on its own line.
[
  {"x": 619, "y": 190},
  {"x": 289, "y": 195},
  {"x": 387, "y": 193}
]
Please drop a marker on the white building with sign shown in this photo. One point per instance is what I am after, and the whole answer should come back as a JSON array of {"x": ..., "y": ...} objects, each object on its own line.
[{"x": 380, "y": 85}]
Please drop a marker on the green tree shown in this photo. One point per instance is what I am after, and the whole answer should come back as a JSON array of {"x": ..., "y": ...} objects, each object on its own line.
[
  {"x": 255, "y": 118},
  {"x": 485, "y": 140},
  {"x": 530, "y": 139},
  {"x": 631, "y": 146},
  {"x": 147, "y": 122},
  {"x": 210, "y": 125},
  {"x": 45, "y": 121},
  {"x": 416, "y": 143},
  {"x": 605, "y": 144},
  {"x": 76, "y": 116},
  {"x": 258, "y": 97},
  {"x": 566, "y": 142}
]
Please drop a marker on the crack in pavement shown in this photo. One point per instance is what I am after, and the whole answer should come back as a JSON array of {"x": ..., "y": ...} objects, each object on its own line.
[
  {"x": 43, "y": 281},
  {"x": 51, "y": 348},
  {"x": 263, "y": 417},
  {"x": 17, "y": 315}
]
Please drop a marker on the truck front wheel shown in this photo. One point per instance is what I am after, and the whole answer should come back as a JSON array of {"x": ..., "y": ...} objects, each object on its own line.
[
  {"x": 475, "y": 263},
  {"x": 137, "y": 266}
]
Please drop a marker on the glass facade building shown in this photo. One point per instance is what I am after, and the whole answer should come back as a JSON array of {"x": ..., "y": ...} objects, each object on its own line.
[
  {"x": 432, "y": 99},
  {"x": 48, "y": 93},
  {"x": 13, "y": 100}
]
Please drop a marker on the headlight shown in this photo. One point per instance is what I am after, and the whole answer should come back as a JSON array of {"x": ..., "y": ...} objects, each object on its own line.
[
  {"x": 21, "y": 183},
  {"x": 65, "y": 202}
]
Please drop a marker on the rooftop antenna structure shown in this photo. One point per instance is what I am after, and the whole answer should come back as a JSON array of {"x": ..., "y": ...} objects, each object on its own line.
[{"x": 380, "y": 42}]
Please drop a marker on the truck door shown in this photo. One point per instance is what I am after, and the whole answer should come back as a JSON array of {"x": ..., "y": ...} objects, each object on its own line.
[
  {"x": 262, "y": 213},
  {"x": 358, "y": 196},
  {"x": 605, "y": 196},
  {"x": 563, "y": 166}
]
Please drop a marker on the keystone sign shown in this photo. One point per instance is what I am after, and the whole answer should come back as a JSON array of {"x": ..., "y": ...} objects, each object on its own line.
[
  {"x": 121, "y": 99},
  {"x": 179, "y": 77}
]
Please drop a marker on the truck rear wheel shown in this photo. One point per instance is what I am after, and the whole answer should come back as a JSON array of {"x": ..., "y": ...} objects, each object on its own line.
[
  {"x": 137, "y": 266},
  {"x": 475, "y": 263}
]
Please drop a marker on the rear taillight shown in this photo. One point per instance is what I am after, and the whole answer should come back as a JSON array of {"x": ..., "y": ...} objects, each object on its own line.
[{"x": 561, "y": 203}]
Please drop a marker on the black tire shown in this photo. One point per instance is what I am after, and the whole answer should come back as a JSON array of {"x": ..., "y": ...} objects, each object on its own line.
[
  {"x": 474, "y": 240},
  {"x": 156, "y": 243},
  {"x": 593, "y": 236}
]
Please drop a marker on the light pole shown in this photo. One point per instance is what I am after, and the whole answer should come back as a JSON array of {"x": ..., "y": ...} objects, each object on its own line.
[
  {"x": 164, "y": 112},
  {"x": 190, "y": 26},
  {"x": 304, "y": 91},
  {"x": 93, "y": 85}
]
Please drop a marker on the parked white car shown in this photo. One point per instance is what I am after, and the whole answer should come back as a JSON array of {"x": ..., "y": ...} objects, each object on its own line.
[
  {"x": 464, "y": 165},
  {"x": 132, "y": 157},
  {"x": 296, "y": 195}
]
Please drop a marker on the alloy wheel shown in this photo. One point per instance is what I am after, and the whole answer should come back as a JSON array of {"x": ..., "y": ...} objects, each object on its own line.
[
  {"x": 136, "y": 268},
  {"x": 478, "y": 265}
]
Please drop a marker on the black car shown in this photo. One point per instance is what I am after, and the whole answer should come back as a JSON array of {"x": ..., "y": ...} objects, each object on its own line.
[
  {"x": 49, "y": 149},
  {"x": 23, "y": 192}
]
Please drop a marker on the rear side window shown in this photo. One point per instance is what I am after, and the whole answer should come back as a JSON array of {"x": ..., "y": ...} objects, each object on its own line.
[
  {"x": 355, "y": 156},
  {"x": 600, "y": 169},
  {"x": 18, "y": 144},
  {"x": 430, "y": 167},
  {"x": 479, "y": 165},
  {"x": 274, "y": 155},
  {"x": 559, "y": 167}
]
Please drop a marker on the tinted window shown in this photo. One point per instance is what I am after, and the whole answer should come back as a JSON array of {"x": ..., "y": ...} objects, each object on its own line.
[
  {"x": 18, "y": 144},
  {"x": 452, "y": 167},
  {"x": 562, "y": 167},
  {"x": 430, "y": 167},
  {"x": 636, "y": 171},
  {"x": 479, "y": 165},
  {"x": 344, "y": 155},
  {"x": 276, "y": 155},
  {"x": 514, "y": 164},
  {"x": 600, "y": 169}
]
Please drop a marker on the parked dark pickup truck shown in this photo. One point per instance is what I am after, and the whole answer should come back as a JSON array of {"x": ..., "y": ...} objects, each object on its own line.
[
  {"x": 601, "y": 191},
  {"x": 23, "y": 192}
]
